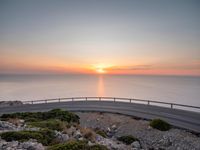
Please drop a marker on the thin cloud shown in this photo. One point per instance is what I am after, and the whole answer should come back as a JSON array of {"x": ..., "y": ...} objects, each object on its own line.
[{"x": 136, "y": 67}]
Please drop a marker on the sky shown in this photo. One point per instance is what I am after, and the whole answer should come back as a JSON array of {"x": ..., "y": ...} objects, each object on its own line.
[{"x": 100, "y": 36}]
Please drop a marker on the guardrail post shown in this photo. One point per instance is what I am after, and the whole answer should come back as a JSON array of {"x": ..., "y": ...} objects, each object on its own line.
[
  {"x": 99, "y": 98},
  {"x": 114, "y": 99},
  {"x": 171, "y": 105},
  {"x": 32, "y": 102},
  {"x": 130, "y": 100},
  {"x": 148, "y": 102},
  {"x": 86, "y": 98},
  {"x": 72, "y": 99},
  {"x": 45, "y": 101},
  {"x": 59, "y": 100}
]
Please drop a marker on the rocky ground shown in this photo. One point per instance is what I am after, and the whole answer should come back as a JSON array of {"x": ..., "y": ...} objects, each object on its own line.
[
  {"x": 114, "y": 126},
  {"x": 117, "y": 125}
]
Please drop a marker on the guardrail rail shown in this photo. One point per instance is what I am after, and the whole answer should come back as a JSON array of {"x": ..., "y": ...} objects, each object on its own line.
[{"x": 116, "y": 99}]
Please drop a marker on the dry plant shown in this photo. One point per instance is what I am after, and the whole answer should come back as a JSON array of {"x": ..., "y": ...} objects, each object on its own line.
[
  {"x": 14, "y": 121},
  {"x": 88, "y": 134}
]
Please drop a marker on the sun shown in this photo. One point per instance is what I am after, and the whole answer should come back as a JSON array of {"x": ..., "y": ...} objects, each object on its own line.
[{"x": 100, "y": 70}]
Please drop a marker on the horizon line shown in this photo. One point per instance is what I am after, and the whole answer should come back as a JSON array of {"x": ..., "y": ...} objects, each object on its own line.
[{"x": 104, "y": 74}]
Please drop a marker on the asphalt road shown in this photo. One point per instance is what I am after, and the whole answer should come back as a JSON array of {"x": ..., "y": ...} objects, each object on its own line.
[{"x": 180, "y": 118}]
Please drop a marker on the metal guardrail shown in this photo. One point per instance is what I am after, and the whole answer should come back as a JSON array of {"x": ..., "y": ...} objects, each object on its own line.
[{"x": 115, "y": 99}]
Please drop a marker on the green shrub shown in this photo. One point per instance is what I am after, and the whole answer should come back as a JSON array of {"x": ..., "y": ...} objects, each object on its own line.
[
  {"x": 21, "y": 135},
  {"x": 128, "y": 139},
  {"x": 102, "y": 133},
  {"x": 50, "y": 124},
  {"x": 44, "y": 136},
  {"x": 98, "y": 147},
  {"x": 77, "y": 145},
  {"x": 160, "y": 125},
  {"x": 40, "y": 116}
]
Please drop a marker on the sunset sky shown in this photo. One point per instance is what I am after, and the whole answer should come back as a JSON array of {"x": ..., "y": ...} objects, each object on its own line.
[{"x": 100, "y": 36}]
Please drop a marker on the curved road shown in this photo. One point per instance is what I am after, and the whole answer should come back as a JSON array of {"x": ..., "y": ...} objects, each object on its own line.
[{"x": 180, "y": 118}]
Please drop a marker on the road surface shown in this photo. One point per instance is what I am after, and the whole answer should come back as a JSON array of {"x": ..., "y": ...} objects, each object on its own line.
[{"x": 179, "y": 118}]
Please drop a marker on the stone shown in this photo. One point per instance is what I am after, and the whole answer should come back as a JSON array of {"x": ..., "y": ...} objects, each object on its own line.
[
  {"x": 70, "y": 131},
  {"x": 90, "y": 143},
  {"x": 15, "y": 145},
  {"x": 149, "y": 128},
  {"x": 108, "y": 129},
  {"x": 32, "y": 145},
  {"x": 114, "y": 127},
  {"x": 61, "y": 137},
  {"x": 31, "y": 129},
  {"x": 135, "y": 144},
  {"x": 110, "y": 143},
  {"x": 77, "y": 134},
  {"x": 7, "y": 126},
  {"x": 81, "y": 139}
]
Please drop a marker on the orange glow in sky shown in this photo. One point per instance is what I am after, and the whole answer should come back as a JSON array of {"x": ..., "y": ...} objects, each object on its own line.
[{"x": 98, "y": 37}]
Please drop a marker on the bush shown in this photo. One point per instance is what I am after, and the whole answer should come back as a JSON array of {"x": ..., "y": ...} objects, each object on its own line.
[
  {"x": 44, "y": 136},
  {"x": 40, "y": 116},
  {"x": 128, "y": 139},
  {"x": 76, "y": 145},
  {"x": 50, "y": 124},
  {"x": 160, "y": 125},
  {"x": 102, "y": 133}
]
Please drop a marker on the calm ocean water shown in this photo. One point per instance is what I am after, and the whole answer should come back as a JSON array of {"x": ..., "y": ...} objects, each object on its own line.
[{"x": 184, "y": 90}]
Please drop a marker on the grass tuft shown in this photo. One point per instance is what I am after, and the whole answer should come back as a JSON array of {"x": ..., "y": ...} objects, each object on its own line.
[
  {"x": 50, "y": 124},
  {"x": 102, "y": 133}
]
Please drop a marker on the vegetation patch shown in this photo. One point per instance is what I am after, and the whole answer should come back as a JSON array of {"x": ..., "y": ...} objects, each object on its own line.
[
  {"x": 98, "y": 147},
  {"x": 128, "y": 139},
  {"x": 160, "y": 125},
  {"x": 101, "y": 132},
  {"x": 40, "y": 116},
  {"x": 77, "y": 145},
  {"x": 44, "y": 136},
  {"x": 50, "y": 124}
]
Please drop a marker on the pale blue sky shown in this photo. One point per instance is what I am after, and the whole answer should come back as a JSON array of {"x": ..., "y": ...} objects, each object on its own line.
[{"x": 159, "y": 33}]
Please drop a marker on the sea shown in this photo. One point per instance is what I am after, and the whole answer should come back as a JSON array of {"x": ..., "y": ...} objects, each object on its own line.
[{"x": 172, "y": 89}]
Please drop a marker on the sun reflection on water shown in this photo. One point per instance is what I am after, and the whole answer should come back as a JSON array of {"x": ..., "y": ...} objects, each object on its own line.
[{"x": 100, "y": 86}]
